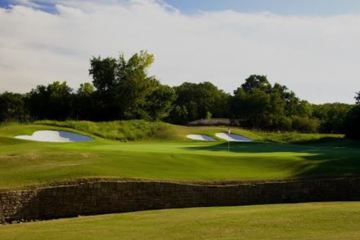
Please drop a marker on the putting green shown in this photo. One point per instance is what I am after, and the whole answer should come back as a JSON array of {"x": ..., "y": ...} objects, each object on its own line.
[
  {"x": 166, "y": 155},
  {"x": 311, "y": 221}
]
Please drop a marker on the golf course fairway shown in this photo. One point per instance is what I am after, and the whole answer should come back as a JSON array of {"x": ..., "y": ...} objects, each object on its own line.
[
  {"x": 311, "y": 221},
  {"x": 159, "y": 151},
  {"x": 164, "y": 153}
]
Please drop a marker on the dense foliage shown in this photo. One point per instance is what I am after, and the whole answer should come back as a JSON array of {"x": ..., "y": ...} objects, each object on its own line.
[
  {"x": 12, "y": 107},
  {"x": 258, "y": 104},
  {"x": 122, "y": 89},
  {"x": 332, "y": 116},
  {"x": 352, "y": 122},
  {"x": 125, "y": 91},
  {"x": 198, "y": 101},
  {"x": 50, "y": 102}
]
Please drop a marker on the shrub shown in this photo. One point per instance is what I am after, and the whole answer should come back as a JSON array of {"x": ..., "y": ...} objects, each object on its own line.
[
  {"x": 352, "y": 123},
  {"x": 305, "y": 124}
]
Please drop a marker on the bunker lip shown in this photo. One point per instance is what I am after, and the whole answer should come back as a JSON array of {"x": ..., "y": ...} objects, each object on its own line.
[
  {"x": 232, "y": 137},
  {"x": 55, "y": 136},
  {"x": 200, "y": 137}
]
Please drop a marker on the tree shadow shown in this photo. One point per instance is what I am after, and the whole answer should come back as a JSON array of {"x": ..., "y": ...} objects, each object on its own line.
[
  {"x": 320, "y": 158},
  {"x": 330, "y": 141}
]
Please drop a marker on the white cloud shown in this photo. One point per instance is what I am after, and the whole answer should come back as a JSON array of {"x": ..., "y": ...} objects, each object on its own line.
[{"x": 317, "y": 57}]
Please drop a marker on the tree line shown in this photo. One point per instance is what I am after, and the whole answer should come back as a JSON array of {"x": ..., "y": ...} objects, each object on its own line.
[{"x": 122, "y": 89}]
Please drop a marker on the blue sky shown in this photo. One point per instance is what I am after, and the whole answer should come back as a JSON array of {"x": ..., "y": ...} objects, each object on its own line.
[
  {"x": 288, "y": 7},
  {"x": 283, "y": 7}
]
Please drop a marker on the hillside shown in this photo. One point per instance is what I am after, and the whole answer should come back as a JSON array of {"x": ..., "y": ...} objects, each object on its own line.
[
  {"x": 154, "y": 150},
  {"x": 140, "y": 130}
]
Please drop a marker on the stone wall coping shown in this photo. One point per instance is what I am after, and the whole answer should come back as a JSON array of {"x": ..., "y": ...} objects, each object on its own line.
[{"x": 225, "y": 183}]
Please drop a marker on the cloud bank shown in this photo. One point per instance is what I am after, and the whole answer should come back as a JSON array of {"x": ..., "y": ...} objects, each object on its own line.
[{"x": 317, "y": 57}]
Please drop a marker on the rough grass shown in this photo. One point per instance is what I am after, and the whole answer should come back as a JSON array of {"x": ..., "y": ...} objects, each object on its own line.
[
  {"x": 117, "y": 130},
  {"x": 168, "y": 155},
  {"x": 311, "y": 221},
  {"x": 142, "y": 130}
]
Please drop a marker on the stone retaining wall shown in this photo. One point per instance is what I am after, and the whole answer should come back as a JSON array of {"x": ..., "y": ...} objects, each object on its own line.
[{"x": 112, "y": 196}]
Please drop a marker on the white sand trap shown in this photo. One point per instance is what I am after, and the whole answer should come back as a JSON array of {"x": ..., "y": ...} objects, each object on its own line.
[
  {"x": 232, "y": 137},
  {"x": 55, "y": 136},
  {"x": 199, "y": 137}
]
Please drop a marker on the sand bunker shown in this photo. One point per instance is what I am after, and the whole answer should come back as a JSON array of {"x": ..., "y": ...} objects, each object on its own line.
[
  {"x": 199, "y": 137},
  {"x": 232, "y": 137},
  {"x": 55, "y": 136}
]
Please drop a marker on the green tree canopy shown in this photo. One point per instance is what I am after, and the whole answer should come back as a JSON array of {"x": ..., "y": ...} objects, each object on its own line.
[
  {"x": 12, "y": 107},
  {"x": 103, "y": 73},
  {"x": 259, "y": 104},
  {"x": 86, "y": 89},
  {"x": 84, "y": 103},
  {"x": 352, "y": 126},
  {"x": 159, "y": 102},
  {"x": 51, "y": 102},
  {"x": 332, "y": 116},
  {"x": 256, "y": 82},
  {"x": 197, "y": 101},
  {"x": 124, "y": 88}
]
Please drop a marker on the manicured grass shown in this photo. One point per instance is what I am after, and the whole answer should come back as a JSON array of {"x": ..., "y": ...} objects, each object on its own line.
[
  {"x": 165, "y": 154},
  {"x": 311, "y": 221}
]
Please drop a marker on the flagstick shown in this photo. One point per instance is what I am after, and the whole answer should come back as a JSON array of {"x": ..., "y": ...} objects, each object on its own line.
[{"x": 229, "y": 132}]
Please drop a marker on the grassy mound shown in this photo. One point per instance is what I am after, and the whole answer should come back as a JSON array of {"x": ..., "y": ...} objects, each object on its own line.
[
  {"x": 318, "y": 221},
  {"x": 143, "y": 130},
  {"x": 133, "y": 130},
  {"x": 117, "y": 130}
]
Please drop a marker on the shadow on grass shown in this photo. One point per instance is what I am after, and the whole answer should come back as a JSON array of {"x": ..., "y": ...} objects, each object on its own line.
[
  {"x": 330, "y": 141},
  {"x": 326, "y": 157}
]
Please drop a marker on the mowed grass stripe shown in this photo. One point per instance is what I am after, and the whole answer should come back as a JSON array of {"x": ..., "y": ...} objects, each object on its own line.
[{"x": 311, "y": 221}]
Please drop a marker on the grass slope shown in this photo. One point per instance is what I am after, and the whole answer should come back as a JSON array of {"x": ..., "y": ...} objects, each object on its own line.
[
  {"x": 320, "y": 221},
  {"x": 142, "y": 130},
  {"x": 162, "y": 152}
]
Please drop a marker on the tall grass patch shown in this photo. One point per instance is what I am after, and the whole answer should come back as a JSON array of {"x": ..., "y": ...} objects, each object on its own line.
[{"x": 116, "y": 130}]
